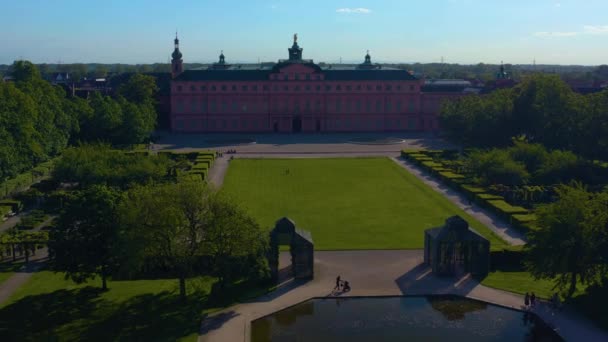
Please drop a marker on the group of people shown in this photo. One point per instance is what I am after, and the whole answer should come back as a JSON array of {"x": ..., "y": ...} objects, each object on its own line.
[
  {"x": 529, "y": 300},
  {"x": 342, "y": 285}
]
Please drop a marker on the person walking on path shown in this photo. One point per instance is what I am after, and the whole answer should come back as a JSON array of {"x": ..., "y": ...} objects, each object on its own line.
[
  {"x": 338, "y": 282},
  {"x": 532, "y": 299},
  {"x": 527, "y": 300}
]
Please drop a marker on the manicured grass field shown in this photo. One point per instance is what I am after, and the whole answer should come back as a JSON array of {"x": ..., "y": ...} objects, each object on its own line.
[
  {"x": 522, "y": 282},
  {"x": 359, "y": 203},
  {"x": 48, "y": 307},
  {"x": 7, "y": 269}
]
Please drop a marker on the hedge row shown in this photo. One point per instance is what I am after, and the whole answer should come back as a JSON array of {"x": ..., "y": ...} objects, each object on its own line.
[
  {"x": 480, "y": 196},
  {"x": 26, "y": 179},
  {"x": 4, "y": 210},
  {"x": 15, "y": 205},
  {"x": 508, "y": 259}
]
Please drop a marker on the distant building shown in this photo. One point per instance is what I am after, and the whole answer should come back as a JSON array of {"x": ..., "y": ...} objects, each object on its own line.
[
  {"x": 298, "y": 95},
  {"x": 59, "y": 78}
]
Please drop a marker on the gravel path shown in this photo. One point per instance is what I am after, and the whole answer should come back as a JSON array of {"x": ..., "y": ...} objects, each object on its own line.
[
  {"x": 12, "y": 284},
  {"x": 218, "y": 171},
  {"x": 503, "y": 229}
]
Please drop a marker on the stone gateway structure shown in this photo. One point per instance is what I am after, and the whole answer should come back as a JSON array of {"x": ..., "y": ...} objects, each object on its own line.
[
  {"x": 456, "y": 248},
  {"x": 301, "y": 249}
]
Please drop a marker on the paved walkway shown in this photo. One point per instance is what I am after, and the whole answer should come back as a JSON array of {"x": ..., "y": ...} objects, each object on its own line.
[
  {"x": 503, "y": 229},
  {"x": 218, "y": 171},
  {"x": 376, "y": 273},
  {"x": 10, "y": 285},
  {"x": 300, "y": 143}
]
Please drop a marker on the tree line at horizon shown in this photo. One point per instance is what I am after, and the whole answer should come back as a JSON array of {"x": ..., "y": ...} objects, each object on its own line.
[
  {"x": 541, "y": 109},
  {"x": 481, "y": 71},
  {"x": 39, "y": 120}
]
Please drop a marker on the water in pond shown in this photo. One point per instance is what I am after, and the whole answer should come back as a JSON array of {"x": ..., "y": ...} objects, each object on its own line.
[{"x": 433, "y": 318}]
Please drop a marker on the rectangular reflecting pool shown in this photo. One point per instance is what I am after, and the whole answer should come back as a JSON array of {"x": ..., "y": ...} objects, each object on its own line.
[{"x": 424, "y": 318}]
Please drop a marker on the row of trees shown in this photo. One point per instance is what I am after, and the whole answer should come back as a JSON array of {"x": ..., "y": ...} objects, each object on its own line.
[
  {"x": 525, "y": 163},
  {"x": 135, "y": 219},
  {"x": 38, "y": 120},
  {"x": 542, "y": 108},
  {"x": 175, "y": 227}
]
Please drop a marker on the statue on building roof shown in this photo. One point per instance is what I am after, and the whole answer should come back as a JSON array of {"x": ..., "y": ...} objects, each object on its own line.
[{"x": 295, "y": 38}]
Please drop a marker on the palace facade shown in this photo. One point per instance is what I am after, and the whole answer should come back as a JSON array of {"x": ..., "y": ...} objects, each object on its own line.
[{"x": 298, "y": 95}]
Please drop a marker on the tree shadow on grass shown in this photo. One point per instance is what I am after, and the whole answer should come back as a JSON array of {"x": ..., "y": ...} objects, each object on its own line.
[
  {"x": 149, "y": 317},
  {"x": 37, "y": 317},
  {"x": 83, "y": 315}
]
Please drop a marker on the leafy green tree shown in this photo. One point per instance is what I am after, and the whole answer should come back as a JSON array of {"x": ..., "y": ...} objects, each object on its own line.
[
  {"x": 496, "y": 167},
  {"x": 235, "y": 242},
  {"x": 565, "y": 246},
  {"x": 83, "y": 240},
  {"x": 25, "y": 71},
  {"x": 166, "y": 224},
  {"x": 139, "y": 89}
]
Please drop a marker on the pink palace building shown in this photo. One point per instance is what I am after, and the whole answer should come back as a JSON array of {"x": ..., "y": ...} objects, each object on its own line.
[{"x": 297, "y": 95}]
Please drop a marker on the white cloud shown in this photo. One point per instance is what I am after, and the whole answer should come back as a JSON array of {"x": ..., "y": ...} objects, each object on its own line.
[
  {"x": 545, "y": 34},
  {"x": 587, "y": 29},
  {"x": 558, "y": 5},
  {"x": 595, "y": 29},
  {"x": 359, "y": 10}
]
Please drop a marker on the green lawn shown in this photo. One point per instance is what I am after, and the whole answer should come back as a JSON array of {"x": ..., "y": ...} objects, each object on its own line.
[
  {"x": 522, "y": 282},
  {"x": 7, "y": 269},
  {"x": 359, "y": 203},
  {"x": 48, "y": 307}
]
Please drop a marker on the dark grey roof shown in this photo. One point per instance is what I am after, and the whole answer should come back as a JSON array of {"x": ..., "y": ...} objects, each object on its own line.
[
  {"x": 362, "y": 74},
  {"x": 247, "y": 74}
]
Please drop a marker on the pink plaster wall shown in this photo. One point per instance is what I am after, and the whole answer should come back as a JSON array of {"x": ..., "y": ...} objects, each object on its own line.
[{"x": 255, "y": 106}]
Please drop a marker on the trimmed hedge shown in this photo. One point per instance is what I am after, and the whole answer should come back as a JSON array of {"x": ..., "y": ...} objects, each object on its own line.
[
  {"x": 203, "y": 162},
  {"x": 488, "y": 197},
  {"x": 15, "y": 205},
  {"x": 4, "y": 210},
  {"x": 505, "y": 207},
  {"x": 432, "y": 164},
  {"x": 473, "y": 189},
  {"x": 509, "y": 258},
  {"x": 524, "y": 218}
]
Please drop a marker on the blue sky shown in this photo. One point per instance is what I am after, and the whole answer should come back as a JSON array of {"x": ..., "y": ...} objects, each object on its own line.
[{"x": 462, "y": 31}]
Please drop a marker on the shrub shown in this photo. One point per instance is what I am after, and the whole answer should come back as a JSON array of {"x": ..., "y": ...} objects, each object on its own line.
[
  {"x": 15, "y": 205},
  {"x": 533, "y": 156},
  {"x": 496, "y": 166},
  {"x": 451, "y": 175},
  {"x": 524, "y": 218},
  {"x": 431, "y": 164},
  {"x": 204, "y": 162},
  {"x": 507, "y": 259},
  {"x": 559, "y": 167},
  {"x": 487, "y": 197},
  {"x": 506, "y": 208},
  {"x": 473, "y": 189},
  {"x": 4, "y": 210}
]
